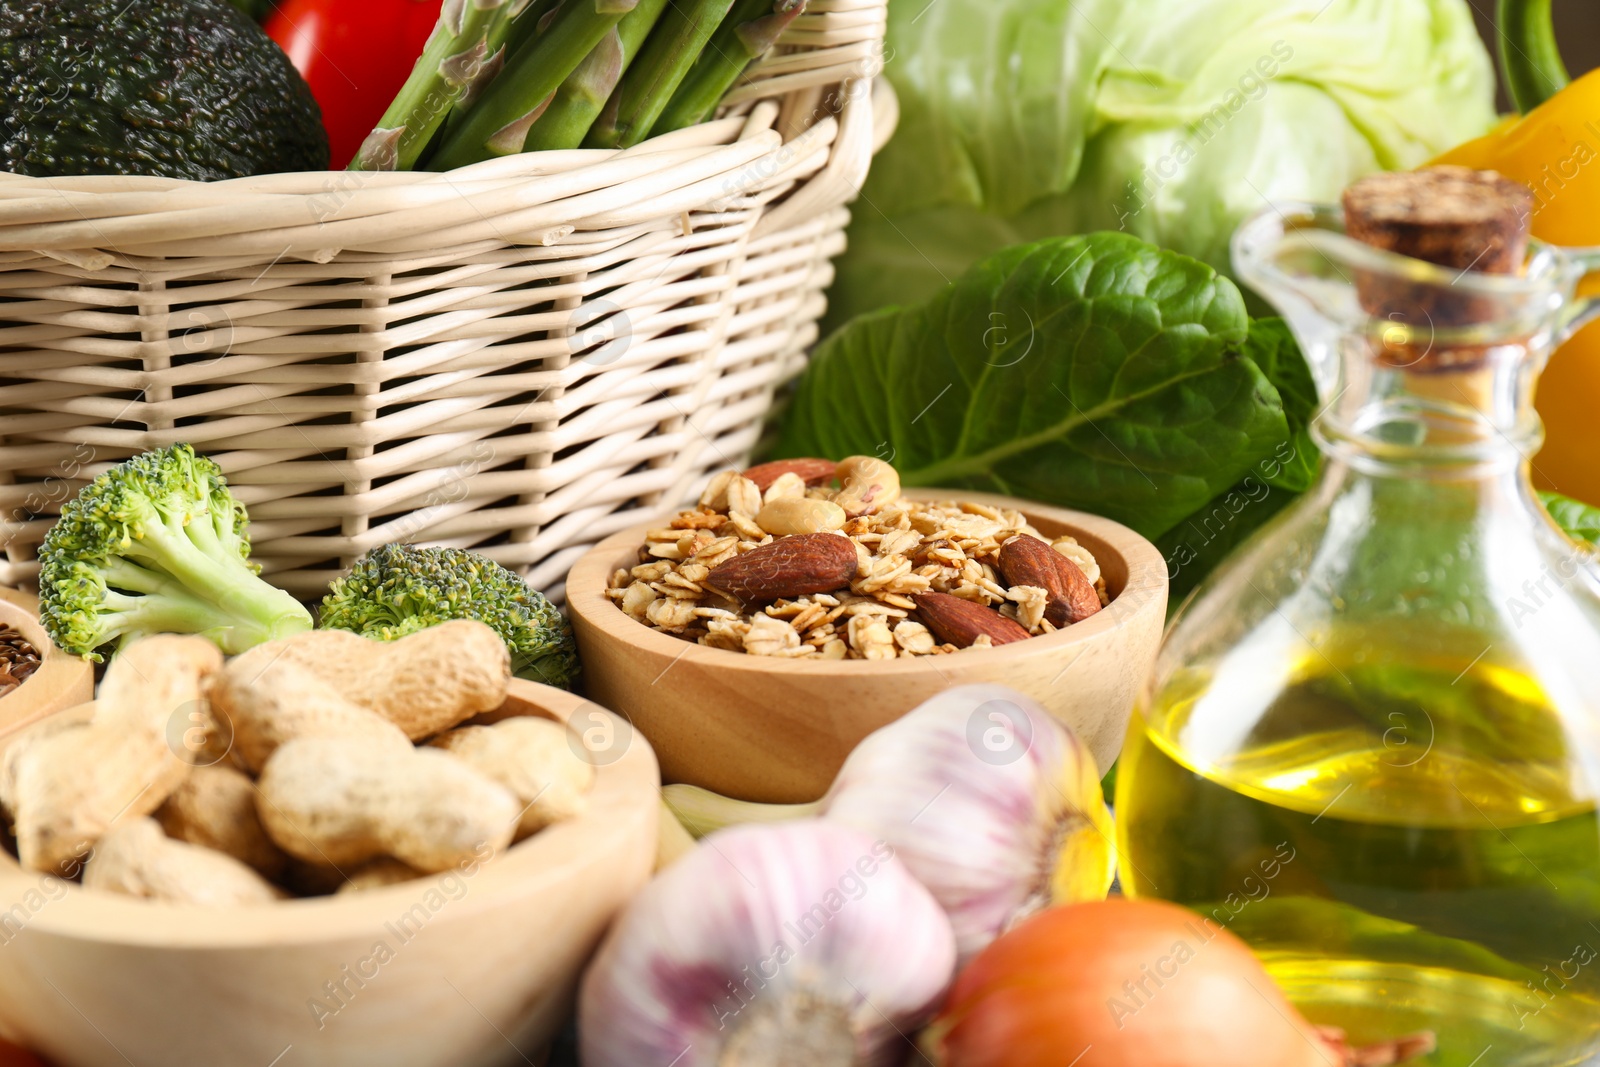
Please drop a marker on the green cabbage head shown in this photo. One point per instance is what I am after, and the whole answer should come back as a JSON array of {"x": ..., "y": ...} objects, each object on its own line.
[{"x": 1170, "y": 119}]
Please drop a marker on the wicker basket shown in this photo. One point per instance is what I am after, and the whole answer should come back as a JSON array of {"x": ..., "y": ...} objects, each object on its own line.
[{"x": 521, "y": 356}]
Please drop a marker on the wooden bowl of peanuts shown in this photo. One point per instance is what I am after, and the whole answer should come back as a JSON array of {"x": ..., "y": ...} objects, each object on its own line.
[
  {"x": 472, "y": 967},
  {"x": 698, "y": 632}
]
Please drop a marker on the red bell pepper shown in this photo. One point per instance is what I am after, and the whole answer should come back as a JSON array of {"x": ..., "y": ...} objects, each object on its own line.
[{"x": 355, "y": 55}]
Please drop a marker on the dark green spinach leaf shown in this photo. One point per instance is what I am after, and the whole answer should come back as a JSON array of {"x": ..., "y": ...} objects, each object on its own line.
[
  {"x": 1096, "y": 372},
  {"x": 1195, "y": 546},
  {"x": 1580, "y": 521},
  {"x": 1272, "y": 346}
]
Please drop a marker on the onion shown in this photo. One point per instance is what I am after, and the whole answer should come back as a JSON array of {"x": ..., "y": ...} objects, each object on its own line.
[{"x": 1118, "y": 983}]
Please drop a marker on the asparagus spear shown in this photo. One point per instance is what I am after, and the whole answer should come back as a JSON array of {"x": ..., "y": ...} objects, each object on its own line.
[
  {"x": 580, "y": 98},
  {"x": 504, "y": 38},
  {"x": 456, "y": 61},
  {"x": 515, "y": 33},
  {"x": 744, "y": 36},
  {"x": 648, "y": 86},
  {"x": 499, "y": 121}
]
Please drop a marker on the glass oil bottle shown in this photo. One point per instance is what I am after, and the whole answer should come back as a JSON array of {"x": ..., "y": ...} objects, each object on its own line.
[{"x": 1372, "y": 744}]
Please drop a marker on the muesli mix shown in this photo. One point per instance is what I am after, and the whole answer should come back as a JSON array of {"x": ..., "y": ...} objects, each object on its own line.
[{"x": 777, "y": 561}]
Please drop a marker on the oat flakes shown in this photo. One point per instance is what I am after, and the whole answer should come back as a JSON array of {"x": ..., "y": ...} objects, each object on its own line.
[{"x": 904, "y": 548}]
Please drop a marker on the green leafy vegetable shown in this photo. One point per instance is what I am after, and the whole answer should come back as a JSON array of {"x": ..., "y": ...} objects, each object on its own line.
[
  {"x": 1169, "y": 119},
  {"x": 1195, "y": 546},
  {"x": 1580, "y": 521},
  {"x": 1092, "y": 372},
  {"x": 1272, "y": 346}
]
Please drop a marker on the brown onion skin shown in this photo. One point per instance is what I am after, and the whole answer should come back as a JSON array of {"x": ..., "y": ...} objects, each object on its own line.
[{"x": 1047, "y": 994}]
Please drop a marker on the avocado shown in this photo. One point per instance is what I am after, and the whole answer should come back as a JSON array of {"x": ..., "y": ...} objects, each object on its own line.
[
  {"x": 177, "y": 88},
  {"x": 256, "y": 9}
]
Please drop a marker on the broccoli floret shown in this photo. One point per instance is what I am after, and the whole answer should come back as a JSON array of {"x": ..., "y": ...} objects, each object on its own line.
[
  {"x": 157, "y": 544},
  {"x": 399, "y": 589}
]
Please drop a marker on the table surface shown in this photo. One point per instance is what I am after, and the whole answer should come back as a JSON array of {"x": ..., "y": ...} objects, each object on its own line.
[{"x": 564, "y": 1054}]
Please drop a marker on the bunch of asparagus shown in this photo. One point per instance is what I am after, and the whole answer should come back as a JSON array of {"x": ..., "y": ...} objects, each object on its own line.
[{"x": 506, "y": 76}]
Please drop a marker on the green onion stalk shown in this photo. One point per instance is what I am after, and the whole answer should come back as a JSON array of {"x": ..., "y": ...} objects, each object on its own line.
[{"x": 749, "y": 31}]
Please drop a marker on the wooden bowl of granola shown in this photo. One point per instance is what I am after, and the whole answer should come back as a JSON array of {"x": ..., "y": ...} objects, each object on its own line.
[
  {"x": 59, "y": 681},
  {"x": 776, "y": 728}
]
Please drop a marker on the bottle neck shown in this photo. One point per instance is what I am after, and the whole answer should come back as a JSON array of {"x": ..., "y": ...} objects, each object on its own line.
[{"x": 1467, "y": 419}]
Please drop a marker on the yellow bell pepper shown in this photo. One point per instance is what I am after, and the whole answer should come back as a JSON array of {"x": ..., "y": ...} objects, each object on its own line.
[{"x": 1554, "y": 149}]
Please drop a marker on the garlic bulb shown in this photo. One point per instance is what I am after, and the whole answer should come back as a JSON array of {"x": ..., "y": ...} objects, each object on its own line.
[
  {"x": 994, "y": 805},
  {"x": 801, "y": 945}
]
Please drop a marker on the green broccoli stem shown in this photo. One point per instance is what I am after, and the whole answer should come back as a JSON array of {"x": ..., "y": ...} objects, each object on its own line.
[
  {"x": 210, "y": 572},
  {"x": 1530, "y": 59},
  {"x": 647, "y": 88},
  {"x": 123, "y": 573},
  {"x": 452, "y": 61},
  {"x": 554, "y": 668},
  {"x": 580, "y": 98},
  {"x": 750, "y": 29},
  {"x": 498, "y": 122},
  {"x": 173, "y": 611}
]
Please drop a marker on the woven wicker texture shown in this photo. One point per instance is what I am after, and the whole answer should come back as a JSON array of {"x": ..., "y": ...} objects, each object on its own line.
[{"x": 520, "y": 356}]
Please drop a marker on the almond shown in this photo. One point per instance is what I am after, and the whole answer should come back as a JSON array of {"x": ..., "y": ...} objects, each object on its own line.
[
  {"x": 812, "y": 471},
  {"x": 961, "y": 622},
  {"x": 1026, "y": 560},
  {"x": 788, "y": 567}
]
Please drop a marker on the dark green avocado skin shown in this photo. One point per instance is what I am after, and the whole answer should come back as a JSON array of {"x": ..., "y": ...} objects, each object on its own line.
[{"x": 176, "y": 88}]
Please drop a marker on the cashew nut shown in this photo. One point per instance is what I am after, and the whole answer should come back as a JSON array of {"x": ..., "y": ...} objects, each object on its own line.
[
  {"x": 867, "y": 484},
  {"x": 785, "y": 486},
  {"x": 800, "y": 515}
]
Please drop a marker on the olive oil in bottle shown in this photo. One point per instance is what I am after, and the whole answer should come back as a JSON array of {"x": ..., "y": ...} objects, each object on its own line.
[
  {"x": 1394, "y": 873},
  {"x": 1371, "y": 743}
]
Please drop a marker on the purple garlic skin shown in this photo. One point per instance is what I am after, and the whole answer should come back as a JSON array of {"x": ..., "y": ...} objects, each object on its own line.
[
  {"x": 989, "y": 801},
  {"x": 802, "y": 936}
]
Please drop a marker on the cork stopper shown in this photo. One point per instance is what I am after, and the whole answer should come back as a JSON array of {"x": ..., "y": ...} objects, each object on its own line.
[
  {"x": 1461, "y": 219},
  {"x": 1458, "y": 218}
]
